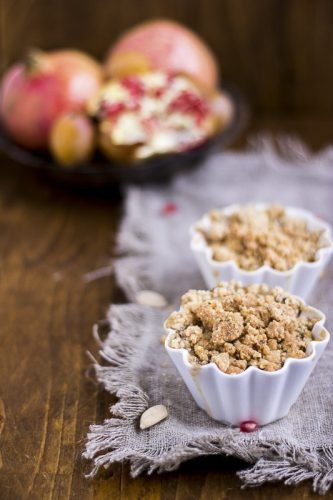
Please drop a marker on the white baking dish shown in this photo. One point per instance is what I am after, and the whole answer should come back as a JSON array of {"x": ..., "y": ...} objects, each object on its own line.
[
  {"x": 254, "y": 394},
  {"x": 298, "y": 280}
]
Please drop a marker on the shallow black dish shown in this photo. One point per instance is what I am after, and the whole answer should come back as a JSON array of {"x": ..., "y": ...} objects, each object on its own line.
[{"x": 101, "y": 171}]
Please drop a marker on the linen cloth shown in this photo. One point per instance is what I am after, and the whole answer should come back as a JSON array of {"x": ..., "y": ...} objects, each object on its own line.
[{"x": 154, "y": 254}]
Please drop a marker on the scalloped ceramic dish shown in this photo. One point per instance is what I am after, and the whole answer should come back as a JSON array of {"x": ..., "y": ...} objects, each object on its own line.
[
  {"x": 254, "y": 394},
  {"x": 298, "y": 280},
  {"x": 101, "y": 171}
]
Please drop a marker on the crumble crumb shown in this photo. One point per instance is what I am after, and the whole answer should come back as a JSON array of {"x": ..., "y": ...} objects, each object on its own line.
[
  {"x": 237, "y": 327},
  {"x": 253, "y": 237}
]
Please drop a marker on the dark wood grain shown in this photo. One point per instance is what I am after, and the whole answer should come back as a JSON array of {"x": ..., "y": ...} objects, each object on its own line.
[
  {"x": 49, "y": 240},
  {"x": 277, "y": 51}
]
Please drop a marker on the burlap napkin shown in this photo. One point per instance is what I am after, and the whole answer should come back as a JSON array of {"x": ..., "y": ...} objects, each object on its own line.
[{"x": 154, "y": 254}]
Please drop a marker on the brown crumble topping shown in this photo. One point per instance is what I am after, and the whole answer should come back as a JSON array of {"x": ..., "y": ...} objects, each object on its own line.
[
  {"x": 254, "y": 237},
  {"x": 237, "y": 327}
]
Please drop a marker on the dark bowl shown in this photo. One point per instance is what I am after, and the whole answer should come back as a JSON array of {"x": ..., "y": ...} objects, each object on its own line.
[{"x": 100, "y": 172}]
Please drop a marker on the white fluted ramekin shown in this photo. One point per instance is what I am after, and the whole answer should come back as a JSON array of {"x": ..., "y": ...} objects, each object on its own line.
[
  {"x": 298, "y": 280},
  {"x": 253, "y": 395}
]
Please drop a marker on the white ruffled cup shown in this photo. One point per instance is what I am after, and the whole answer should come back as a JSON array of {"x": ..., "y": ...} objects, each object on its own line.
[
  {"x": 253, "y": 395},
  {"x": 299, "y": 280}
]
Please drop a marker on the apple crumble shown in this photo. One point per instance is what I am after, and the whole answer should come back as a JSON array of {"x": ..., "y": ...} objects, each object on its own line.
[
  {"x": 253, "y": 237},
  {"x": 237, "y": 327}
]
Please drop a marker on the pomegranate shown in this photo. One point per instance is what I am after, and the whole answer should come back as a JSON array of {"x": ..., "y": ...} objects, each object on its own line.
[
  {"x": 72, "y": 139},
  {"x": 150, "y": 114},
  {"x": 166, "y": 46},
  {"x": 34, "y": 93}
]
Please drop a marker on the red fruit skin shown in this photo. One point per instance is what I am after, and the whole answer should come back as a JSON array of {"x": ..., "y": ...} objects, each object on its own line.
[
  {"x": 80, "y": 75},
  {"x": 170, "y": 47},
  {"x": 30, "y": 103},
  {"x": 29, "y": 106}
]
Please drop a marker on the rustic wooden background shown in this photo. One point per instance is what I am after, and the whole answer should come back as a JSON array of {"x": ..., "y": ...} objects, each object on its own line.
[
  {"x": 279, "y": 53},
  {"x": 49, "y": 239}
]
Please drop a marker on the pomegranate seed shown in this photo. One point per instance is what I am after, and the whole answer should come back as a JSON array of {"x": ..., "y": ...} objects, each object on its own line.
[
  {"x": 112, "y": 110},
  {"x": 248, "y": 426},
  {"x": 188, "y": 102},
  {"x": 159, "y": 92},
  {"x": 150, "y": 123},
  {"x": 134, "y": 86},
  {"x": 169, "y": 208}
]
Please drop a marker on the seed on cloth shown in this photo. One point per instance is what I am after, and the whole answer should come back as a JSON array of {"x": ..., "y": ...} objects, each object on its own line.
[
  {"x": 151, "y": 299},
  {"x": 248, "y": 426},
  {"x": 152, "y": 416},
  {"x": 169, "y": 208}
]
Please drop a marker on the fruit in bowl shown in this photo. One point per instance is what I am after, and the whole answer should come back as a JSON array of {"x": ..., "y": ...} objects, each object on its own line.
[
  {"x": 163, "y": 45},
  {"x": 156, "y": 95},
  {"x": 72, "y": 139},
  {"x": 153, "y": 113},
  {"x": 34, "y": 93}
]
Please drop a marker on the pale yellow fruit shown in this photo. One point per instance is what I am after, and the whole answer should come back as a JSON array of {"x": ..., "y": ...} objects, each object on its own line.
[{"x": 72, "y": 139}]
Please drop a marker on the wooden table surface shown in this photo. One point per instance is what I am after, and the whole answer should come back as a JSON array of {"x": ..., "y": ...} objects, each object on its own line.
[{"x": 49, "y": 240}]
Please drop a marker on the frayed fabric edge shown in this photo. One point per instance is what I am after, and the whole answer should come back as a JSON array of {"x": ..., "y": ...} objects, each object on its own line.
[
  {"x": 279, "y": 152},
  {"x": 271, "y": 461},
  {"x": 290, "y": 471},
  {"x": 133, "y": 250}
]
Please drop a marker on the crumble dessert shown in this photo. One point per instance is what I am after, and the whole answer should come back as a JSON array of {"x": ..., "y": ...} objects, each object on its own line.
[
  {"x": 236, "y": 327},
  {"x": 152, "y": 113},
  {"x": 253, "y": 237}
]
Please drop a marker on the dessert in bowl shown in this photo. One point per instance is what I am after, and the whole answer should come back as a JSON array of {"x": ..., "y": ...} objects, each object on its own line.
[
  {"x": 262, "y": 243},
  {"x": 245, "y": 352}
]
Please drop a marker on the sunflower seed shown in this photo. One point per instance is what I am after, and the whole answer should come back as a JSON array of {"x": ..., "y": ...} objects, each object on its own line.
[
  {"x": 151, "y": 299},
  {"x": 152, "y": 416}
]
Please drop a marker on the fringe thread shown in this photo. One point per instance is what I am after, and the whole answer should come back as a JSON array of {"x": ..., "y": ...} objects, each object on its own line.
[{"x": 107, "y": 443}]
